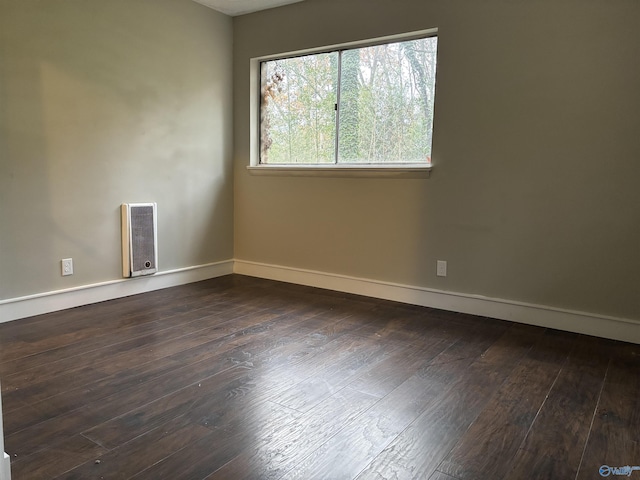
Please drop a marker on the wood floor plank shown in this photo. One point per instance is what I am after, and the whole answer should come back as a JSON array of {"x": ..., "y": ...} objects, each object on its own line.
[
  {"x": 61, "y": 457},
  {"x": 271, "y": 459},
  {"x": 60, "y": 359},
  {"x": 58, "y": 353},
  {"x": 61, "y": 415},
  {"x": 613, "y": 440},
  {"x": 441, "y": 476},
  {"x": 353, "y": 448},
  {"x": 240, "y": 377},
  {"x": 43, "y": 435},
  {"x": 206, "y": 456},
  {"x": 389, "y": 373},
  {"x": 118, "y": 430},
  {"x": 399, "y": 325},
  {"x": 237, "y": 374},
  {"x": 262, "y": 381},
  {"x": 141, "y": 388},
  {"x": 554, "y": 445},
  {"x": 134, "y": 380},
  {"x": 323, "y": 383},
  {"x": 486, "y": 449},
  {"x": 420, "y": 448},
  {"x": 136, "y": 456},
  {"x": 85, "y": 326}
]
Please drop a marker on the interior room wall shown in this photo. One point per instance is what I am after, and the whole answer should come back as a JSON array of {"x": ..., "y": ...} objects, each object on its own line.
[
  {"x": 104, "y": 103},
  {"x": 534, "y": 195}
]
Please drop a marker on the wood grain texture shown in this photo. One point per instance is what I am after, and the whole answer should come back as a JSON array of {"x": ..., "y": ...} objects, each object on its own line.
[
  {"x": 63, "y": 456},
  {"x": 353, "y": 448},
  {"x": 440, "y": 476},
  {"x": 613, "y": 439},
  {"x": 420, "y": 448},
  {"x": 485, "y": 450},
  {"x": 270, "y": 460},
  {"x": 553, "y": 446},
  {"x": 135, "y": 456},
  {"x": 238, "y": 377}
]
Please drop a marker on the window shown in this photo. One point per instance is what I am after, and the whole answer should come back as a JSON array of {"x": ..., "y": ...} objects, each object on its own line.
[{"x": 352, "y": 106}]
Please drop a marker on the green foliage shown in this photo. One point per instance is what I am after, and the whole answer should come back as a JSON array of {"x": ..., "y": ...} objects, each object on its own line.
[
  {"x": 349, "y": 108},
  {"x": 385, "y": 112},
  {"x": 298, "y": 116}
]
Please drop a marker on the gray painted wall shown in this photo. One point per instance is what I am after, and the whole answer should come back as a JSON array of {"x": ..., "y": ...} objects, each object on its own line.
[
  {"x": 534, "y": 195},
  {"x": 103, "y": 103}
]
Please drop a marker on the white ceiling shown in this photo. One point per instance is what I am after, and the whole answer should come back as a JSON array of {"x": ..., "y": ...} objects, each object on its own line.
[{"x": 240, "y": 7}]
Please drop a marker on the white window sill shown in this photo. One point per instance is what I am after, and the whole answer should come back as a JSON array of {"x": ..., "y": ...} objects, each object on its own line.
[{"x": 409, "y": 170}]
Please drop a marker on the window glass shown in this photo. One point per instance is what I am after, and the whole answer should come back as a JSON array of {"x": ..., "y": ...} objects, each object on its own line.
[
  {"x": 378, "y": 99},
  {"x": 298, "y": 118},
  {"x": 386, "y": 103}
]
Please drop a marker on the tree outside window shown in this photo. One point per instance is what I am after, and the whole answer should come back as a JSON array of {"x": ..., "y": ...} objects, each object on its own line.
[{"x": 370, "y": 105}]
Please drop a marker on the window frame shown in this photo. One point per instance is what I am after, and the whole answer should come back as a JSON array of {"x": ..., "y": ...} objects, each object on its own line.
[{"x": 392, "y": 170}]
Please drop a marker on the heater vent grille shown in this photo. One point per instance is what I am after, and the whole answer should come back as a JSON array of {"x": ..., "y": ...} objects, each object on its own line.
[{"x": 139, "y": 239}]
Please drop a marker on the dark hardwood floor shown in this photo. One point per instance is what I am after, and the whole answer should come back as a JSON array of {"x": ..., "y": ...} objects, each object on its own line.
[{"x": 238, "y": 377}]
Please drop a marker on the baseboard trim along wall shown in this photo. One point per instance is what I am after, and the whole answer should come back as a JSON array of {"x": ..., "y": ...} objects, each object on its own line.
[
  {"x": 624, "y": 329},
  {"x": 627, "y": 330},
  {"x": 38, "y": 304}
]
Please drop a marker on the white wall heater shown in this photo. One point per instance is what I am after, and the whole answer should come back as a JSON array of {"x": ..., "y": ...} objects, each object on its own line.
[{"x": 139, "y": 239}]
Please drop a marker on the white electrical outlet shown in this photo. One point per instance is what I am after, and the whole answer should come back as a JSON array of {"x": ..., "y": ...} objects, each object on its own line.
[
  {"x": 67, "y": 266},
  {"x": 441, "y": 268}
]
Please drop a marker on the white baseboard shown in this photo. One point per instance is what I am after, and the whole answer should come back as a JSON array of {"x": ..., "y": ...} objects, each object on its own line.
[
  {"x": 627, "y": 330},
  {"x": 624, "y": 329},
  {"x": 22, "y": 307}
]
